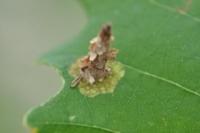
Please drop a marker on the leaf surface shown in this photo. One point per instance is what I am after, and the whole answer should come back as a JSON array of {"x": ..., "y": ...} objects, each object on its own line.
[{"x": 160, "y": 93}]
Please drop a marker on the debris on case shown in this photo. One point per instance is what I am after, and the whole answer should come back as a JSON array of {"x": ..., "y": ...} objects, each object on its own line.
[{"x": 93, "y": 66}]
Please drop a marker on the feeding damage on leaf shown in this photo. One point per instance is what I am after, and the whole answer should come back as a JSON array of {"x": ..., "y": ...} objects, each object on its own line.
[{"x": 98, "y": 72}]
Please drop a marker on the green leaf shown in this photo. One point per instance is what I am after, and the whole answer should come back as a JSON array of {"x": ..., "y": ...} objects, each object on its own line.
[{"x": 160, "y": 92}]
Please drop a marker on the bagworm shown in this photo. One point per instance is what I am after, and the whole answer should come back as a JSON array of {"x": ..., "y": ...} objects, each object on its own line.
[{"x": 92, "y": 67}]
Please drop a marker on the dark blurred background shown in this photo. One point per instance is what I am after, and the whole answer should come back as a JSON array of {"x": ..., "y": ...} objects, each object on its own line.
[{"x": 29, "y": 28}]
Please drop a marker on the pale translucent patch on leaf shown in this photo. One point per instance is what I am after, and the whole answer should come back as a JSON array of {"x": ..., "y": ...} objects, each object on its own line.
[{"x": 108, "y": 84}]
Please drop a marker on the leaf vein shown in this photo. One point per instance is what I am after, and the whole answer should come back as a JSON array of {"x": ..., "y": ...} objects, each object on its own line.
[
  {"x": 89, "y": 109},
  {"x": 163, "y": 79},
  {"x": 171, "y": 9}
]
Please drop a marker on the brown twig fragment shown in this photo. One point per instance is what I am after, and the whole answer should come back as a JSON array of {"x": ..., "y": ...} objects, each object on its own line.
[{"x": 93, "y": 66}]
